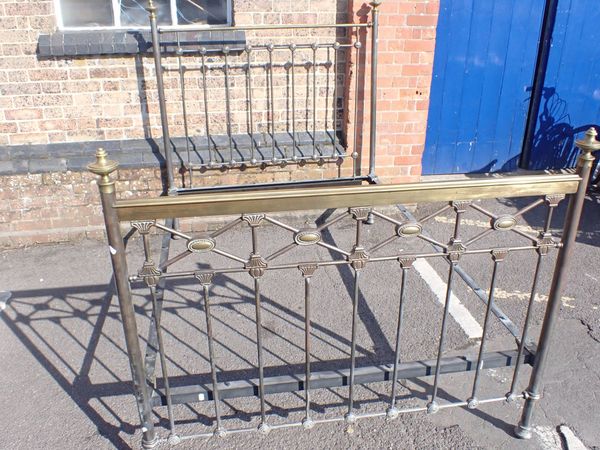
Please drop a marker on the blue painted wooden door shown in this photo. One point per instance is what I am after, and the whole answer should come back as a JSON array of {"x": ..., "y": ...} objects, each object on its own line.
[
  {"x": 484, "y": 63},
  {"x": 571, "y": 94}
]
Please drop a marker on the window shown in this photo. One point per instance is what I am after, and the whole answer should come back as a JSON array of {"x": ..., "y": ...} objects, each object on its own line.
[{"x": 132, "y": 14}]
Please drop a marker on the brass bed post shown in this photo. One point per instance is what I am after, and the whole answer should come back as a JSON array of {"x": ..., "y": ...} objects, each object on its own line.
[
  {"x": 104, "y": 167},
  {"x": 161, "y": 96},
  {"x": 533, "y": 393}
]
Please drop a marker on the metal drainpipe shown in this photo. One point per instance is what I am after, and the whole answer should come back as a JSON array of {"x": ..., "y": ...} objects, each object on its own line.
[{"x": 539, "y": 78}]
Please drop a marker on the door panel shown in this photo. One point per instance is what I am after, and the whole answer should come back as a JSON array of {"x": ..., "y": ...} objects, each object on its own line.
[
  {"x": 571, "y": 94},
  {"x": 484, "y": 64}
]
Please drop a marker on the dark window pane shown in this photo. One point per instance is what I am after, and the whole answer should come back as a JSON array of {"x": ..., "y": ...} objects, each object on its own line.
[
  {"x": 134, "y": 13},
  {"x": 212, "y": 12},
  {"x": 86, "y": 13}
]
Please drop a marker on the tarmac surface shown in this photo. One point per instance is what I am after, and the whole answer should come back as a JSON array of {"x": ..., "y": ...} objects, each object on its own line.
[{"x": 66, "y": 379}]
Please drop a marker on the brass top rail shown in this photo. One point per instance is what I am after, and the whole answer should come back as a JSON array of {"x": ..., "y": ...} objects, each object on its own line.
[
  {"x": 280, "y": 200},
  {"x": 180, "y": 28}
]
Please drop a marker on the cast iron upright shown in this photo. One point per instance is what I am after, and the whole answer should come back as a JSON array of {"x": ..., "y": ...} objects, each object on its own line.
[
  {"x": 161, "y": 96},
  {"x": 373, "y": 126},
  {"x": 116, "y": 246},
  {"x": 533, "y": 393}
]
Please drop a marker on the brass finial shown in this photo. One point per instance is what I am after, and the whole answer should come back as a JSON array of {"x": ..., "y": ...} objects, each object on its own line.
[
  {"x": 103, "y": 167},
  {"x": 589, "y": 143},
  {"x": 151, "y": 8},
  {"x": 375, "y": 4}
]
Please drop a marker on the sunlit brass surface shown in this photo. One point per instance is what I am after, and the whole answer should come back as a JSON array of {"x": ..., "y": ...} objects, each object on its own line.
[
  {"x": 104, "y": 167},
  {"x": 342, "y": 197}
]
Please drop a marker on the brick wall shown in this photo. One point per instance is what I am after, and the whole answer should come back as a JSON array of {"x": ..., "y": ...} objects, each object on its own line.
[
  {"x": 68, "y": 99},
  {"x": 406, "y": 50},
  {"x": 83, "y": 99}
]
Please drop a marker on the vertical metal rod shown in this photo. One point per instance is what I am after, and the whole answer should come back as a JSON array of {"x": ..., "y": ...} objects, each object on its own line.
[
  {"x": 307, "y": 272},
  {"x": 350, "y": 417},
  {"x": 256, "y": 273},
  {"x": 392, "y": 412},
  {"x": 525, "y": 336},
  {"x": 498, "y": 257},
  {"x": 104, "y": 168},
  {"x": 325, "y": 112},
  {"x": 334, "y": 115},
  {"x": 254, "y": 240},
  {"x": 228, "y": 105},
  {"x": 357, "y": 46},
  {"x": 307, "y": 343},
  {"x": 373, "y": 127},
  {"x": 357, "y": 265},
  {"x": 249, "y": 78},
  {"x": 209, "y": 148},
  {"x": 151, "y": 346},
  {"x": 453, "y": 257},
  {"x": 146, "y": 245},
  {"x": 542, "y": 251},
  {"x": 259, "y": 344},
  {"x": 293, "y": 52},
  {"x": 161, "y": 95},
  {"x": 211, "y": 352},
  {"x": 163, "y": 359},
  {"x": 271, "y": 101},
  {"x": 181, "y": 70},
  {"x": 533, "y": 392},
  {"x": 432, "y": 406},
  {"x": 314, "y": 101}
]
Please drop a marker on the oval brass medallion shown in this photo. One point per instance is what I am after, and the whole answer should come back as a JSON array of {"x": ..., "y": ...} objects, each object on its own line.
[
  {"x": 504, "y": 223},
  {"x": 410, "y": 229},
  {"x": 307, "y": 237},
  {"x": 201, "y": 245}
]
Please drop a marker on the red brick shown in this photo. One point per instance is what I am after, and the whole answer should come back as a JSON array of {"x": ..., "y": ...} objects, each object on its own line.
[
  {"x": 415, "y": 69},
  {"x": 114, "y": 72},
  {"x": 420, "y": 45},
  {"x": 23, "y": 114},
  {"x": 424, "y": 20},
  {"x": 407, "y": 160},
  {"x": 48, "y": 74}
]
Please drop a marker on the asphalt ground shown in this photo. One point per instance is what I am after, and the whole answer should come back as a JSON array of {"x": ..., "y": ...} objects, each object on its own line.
[{"x": 66, "y": 375}]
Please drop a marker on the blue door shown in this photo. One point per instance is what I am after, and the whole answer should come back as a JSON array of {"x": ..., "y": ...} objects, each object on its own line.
[
  {"x": 571, "y": 94},
  {"x": 480, "y": 92},
  {"x": 484, "y": 63}
]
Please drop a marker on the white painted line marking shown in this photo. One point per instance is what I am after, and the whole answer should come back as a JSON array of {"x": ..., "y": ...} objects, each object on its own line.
[
  {"x": 457, "y": 310},
  {"x": 480, "y": 223},
  {"x": 548, "y": 437},
  {"x": 573, "y": 442}
]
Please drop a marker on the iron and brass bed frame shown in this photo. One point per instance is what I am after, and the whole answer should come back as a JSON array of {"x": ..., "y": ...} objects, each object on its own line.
[{"x": 254, "y": 210}]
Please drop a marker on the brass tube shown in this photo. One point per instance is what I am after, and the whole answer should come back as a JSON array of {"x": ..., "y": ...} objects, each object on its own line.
[
  {"x": 228, "y": 106},
  {"x": 392, "y": 412},
  {"x": 104, "y": 168},
  {"x": 533, "y": 393},
  {"x": 250, "y": 111},
  {"x": 161, "y": 96},
  {"x": 181, "y": 69},
  {"x": 373, "y": 125},
  {"x": 282, "y": 200}
]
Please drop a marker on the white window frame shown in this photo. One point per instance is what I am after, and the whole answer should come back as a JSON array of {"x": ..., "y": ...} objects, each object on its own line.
[{"x": 117, "y": 17}]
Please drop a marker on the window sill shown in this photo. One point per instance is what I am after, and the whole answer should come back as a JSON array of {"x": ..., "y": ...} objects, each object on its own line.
[{"x": 123, "y": 42}]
